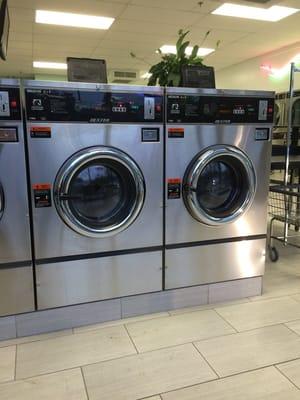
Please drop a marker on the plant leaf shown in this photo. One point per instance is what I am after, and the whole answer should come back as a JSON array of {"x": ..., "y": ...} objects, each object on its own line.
[
  {"x": 194, "y": 53},
  {"x": 181, "y": 50},
  {"x": 180, "y": 39}
]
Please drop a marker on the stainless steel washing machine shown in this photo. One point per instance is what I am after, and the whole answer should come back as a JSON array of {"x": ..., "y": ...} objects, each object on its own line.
[
  {"x": 16, "y": 274},
  {"x": 96, "y": 164},
  {"x": 218, "y": 146}
]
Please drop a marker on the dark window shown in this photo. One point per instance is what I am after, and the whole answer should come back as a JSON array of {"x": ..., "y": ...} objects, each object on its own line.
[
  {"x": 222, "y": 187},
  {"x": 102, "y": 193}
]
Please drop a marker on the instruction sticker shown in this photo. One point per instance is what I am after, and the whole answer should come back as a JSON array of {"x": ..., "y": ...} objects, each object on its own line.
[{"x": 174, "y": 188}]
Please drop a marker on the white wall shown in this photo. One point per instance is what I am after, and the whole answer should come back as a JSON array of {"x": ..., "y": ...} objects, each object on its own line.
[{"x": 249, "y": 75}]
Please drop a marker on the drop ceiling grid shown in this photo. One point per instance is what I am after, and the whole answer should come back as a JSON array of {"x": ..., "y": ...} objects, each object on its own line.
[{"x": 141, "y": 26}]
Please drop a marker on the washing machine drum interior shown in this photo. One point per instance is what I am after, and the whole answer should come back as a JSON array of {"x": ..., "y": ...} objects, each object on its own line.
[
  {"x": 219, "y": 185},
  {"x": 99, "y": 191}
]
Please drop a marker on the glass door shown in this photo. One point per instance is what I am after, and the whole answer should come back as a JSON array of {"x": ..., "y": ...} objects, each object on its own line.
[
  {"x": 219, "y": 185},
  {"x": 99, "y": 191}
]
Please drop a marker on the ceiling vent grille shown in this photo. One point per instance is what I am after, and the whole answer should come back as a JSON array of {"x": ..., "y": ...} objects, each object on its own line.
[{"x": 119, "y": 76}]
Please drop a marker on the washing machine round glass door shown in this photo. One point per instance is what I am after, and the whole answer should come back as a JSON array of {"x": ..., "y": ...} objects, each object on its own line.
[
  {"x": 1, "y": 201},
  {"x": 219, "y": 185},
  {"x": 99, "y": 191}
]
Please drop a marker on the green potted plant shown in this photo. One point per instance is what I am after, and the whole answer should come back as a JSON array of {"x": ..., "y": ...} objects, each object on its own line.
[{"x": 168, "y": 71}]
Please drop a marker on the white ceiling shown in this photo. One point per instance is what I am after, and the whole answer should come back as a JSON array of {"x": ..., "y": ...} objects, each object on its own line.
[{"x": 141, "y": 26}]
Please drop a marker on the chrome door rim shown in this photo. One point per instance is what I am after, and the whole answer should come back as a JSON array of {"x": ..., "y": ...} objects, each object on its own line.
[
  {"x": 69, "y": 169},
  {"x": 1, "y": 201},
  {"x": 194, "y": 172}
]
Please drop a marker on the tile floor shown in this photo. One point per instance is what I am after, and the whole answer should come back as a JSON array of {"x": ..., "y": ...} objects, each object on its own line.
[{"x": 247, "y": 349}]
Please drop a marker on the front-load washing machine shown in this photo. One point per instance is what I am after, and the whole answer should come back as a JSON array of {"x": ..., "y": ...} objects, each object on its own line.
[
  {"x": 16, "y": 272},
  {"x": 96, "y": 164},
  {"x": 218, "y": 146}
]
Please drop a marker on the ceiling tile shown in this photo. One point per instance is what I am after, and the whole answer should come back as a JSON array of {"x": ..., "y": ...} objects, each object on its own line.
[{"x": 151, "y": 14}]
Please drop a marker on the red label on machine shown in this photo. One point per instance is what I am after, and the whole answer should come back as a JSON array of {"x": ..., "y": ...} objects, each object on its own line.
[
  {"x": 42, "y": 195},
  {"x": 176, "y": 132},
  {"x": 174, "y": 188},
  {"x": 40, "y": 132},
  {"x": 41, "y": 186},
  {"x": 174, "y": 180}
]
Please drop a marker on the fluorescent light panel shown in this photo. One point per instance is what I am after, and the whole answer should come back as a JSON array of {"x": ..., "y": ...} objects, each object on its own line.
[
  {"x": 69, "y": 19},
  {"x": 203, "y": 51},
  {"x": 273, "y": 14},
  {"x": 49, "y": 65},
  {"x": 146, "y": 75}
]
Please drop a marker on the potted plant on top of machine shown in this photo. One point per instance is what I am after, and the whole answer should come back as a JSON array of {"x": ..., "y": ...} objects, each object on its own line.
[{"x": 180, "y": 69}]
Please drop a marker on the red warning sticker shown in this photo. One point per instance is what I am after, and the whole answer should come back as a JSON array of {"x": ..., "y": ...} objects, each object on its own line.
[
  {"x": 40, "y": 132},
  {"x": 176, "y": 132},
  {"x": 41, "y": 186},
  {"x": 174, "y": 180}
]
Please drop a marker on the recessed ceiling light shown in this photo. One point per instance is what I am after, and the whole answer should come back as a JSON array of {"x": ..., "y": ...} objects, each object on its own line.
[
  {"x": 69, "y": 19},
  {"x": 273, "y": 14},
  {"x": 203, "y": 51},
  {"x": 49, "y": 65}
]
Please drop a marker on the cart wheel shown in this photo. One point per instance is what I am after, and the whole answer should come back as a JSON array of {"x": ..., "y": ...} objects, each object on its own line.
[{"x": 273, "y": 254}]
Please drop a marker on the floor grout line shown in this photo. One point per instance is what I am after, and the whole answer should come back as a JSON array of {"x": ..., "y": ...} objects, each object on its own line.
[
  {"x": 84, "y": 382},
  {"x": 15, "y": 371},
  {"x": 125, "y": 327},
  {"x": 283, "y": 374},
  {"x": 225, "y": 320},
  {"x": 207, "y": 362}
]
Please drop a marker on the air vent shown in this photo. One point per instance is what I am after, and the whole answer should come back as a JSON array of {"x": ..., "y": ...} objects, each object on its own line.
[{"x": 119, "y": 76}]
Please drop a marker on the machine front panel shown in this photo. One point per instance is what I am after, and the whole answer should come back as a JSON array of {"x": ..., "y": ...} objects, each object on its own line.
[
  {"x": 59, "y": 105},
  {"x": 219, "y": 109}
]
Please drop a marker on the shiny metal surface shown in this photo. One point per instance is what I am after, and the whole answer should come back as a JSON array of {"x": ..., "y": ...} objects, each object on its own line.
[
  {"x": 16, "y": 281},
  {"x": 219, "y": 92},
  {"x": 1, "y": 201},
  {"x": 180, "y": 225},
  {"x": 214, "y": 263},
  {"x": 80, "y": 281},
  {"x": 92, "y": 86},
  {"x": 78, "y": 161},
  {"x": 91, "y": 279},
  {"x": 53, "y": 238},
  {"x": 191, "y": 182}
]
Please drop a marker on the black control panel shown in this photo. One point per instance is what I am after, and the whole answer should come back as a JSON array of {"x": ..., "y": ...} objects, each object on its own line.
[
  {"x": 94, "y": 107},
  {"x": 219, "y": 109},
  {"x": 10, "y": 107}
]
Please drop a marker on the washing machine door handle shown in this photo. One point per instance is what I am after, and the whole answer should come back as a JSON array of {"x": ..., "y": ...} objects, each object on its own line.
[{"x": 189, "y": 188}]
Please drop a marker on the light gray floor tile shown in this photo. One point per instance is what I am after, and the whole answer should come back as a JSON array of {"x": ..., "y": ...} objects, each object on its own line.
[
  {"x": 226, "y": 291},
  {"x": 119, "y": 322},
  {"x": 72, "y": 351},
  {"x": 264, "y": 384},
  {"x": 67, "y": 317},
  {"x": 207, "y": 306},
  {"x": 178, "y": 329},
  {"x": 65, "y": 385},
  {"x": 7, "y": 363},
  {"x": 146, "y": 374},
  {"x": 292, "y": 371},
  {"x": 7, "y": 328},
  {"x": 35, "y": 338},
  {"x": 263, "y": 313},
  {"x": 296, "y": 297},
  {"x": 250, "y": 350},
  {"x": 164, "y": 301},
  {"x": 294, "y": 326}
]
